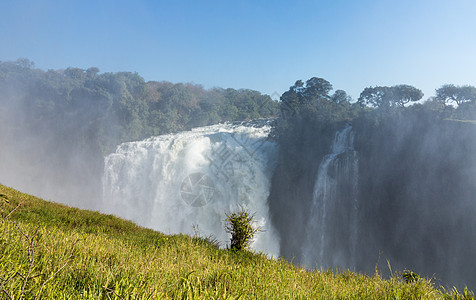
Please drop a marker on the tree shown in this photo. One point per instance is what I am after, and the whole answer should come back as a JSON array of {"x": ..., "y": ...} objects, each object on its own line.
[
  {"x": 403, "y": 94},
  {"x": 306, "y": 96},
  {"x": 25, "y": 63},
  {"x": 75, "y": 73},
  {"x": 317, "y": 89},
  {"x": 449, "y": 93},
  {"x": 386, "y": 97},
  {"x": 92, "y": 72},
  {"x": 340, "y": 97},
  {"x": 374, "y": 96}
]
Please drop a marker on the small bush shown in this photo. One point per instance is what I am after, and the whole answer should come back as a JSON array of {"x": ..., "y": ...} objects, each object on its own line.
[
  {"x": 240, "y": 225},
  {"x": 410, "y": 276}
]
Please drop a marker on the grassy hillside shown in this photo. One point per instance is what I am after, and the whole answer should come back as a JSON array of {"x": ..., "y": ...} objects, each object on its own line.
[{"x": 51, "y": 251}]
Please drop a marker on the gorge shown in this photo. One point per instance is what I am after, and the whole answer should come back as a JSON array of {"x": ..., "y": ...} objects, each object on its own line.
[{"x": 350, "y": 198}]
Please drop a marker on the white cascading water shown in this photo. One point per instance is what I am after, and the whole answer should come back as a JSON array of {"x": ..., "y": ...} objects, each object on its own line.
[
  {"x": 173, "y": 183},
  {"x": 332, "y": 228}
]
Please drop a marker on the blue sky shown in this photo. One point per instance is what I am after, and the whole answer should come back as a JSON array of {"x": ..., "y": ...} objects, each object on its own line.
[{"x": 261, "y": 45}]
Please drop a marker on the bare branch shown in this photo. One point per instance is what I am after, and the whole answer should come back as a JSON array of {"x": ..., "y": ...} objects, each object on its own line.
[
  {"x": 30, "y": 241},
  {"x": 4, "y": 218},
  {"x": 112, "y": 291}
]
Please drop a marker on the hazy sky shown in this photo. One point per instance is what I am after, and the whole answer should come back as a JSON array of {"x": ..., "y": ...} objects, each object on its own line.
[{"x": 261, "y": 45}]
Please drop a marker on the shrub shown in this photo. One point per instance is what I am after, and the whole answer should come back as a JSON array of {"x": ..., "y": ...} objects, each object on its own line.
[
  {"x": 240, "y": 225},
  {"x": 410, "y": 276}
]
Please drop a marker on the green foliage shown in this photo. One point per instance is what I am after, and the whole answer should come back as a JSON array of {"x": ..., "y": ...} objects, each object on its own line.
[
  {"x": 70, "y": 119},
  {"x": 384, "y": 97},
  {"x": 410, "y": 276},
  {"x": 466, "y": 111},
  {"x": 312, "y": 101},
  {"x": 51, "y": 251},
  {"x": 309, "y": 109},
  {"x": 79, "y": 108},
  {"x": 303, "y": 98},
  {"x": 240, "y": 225},
  {"x": 449, "y": 93}
]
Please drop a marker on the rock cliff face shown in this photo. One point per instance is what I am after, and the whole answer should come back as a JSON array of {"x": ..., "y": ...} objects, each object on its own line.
[
  {"x": 403, "y": 190},
  {"x": 417, "y": 184}
]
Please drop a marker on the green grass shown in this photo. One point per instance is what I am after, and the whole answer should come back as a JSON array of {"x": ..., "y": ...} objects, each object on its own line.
[{"x": 51, "y": 251}]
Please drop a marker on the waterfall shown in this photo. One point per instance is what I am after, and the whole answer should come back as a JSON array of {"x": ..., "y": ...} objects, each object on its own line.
[
  {"x": 332, "y": 229},
  {"x": 173, "y": 183}
]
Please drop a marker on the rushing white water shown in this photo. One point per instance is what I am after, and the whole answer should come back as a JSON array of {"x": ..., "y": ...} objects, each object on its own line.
[
  {"x": 172, "y": 183},
  {"x": 332, "y": 228}
]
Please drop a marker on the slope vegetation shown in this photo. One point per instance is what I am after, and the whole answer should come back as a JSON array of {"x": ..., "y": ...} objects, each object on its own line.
[{"x": 52, "y": 251}]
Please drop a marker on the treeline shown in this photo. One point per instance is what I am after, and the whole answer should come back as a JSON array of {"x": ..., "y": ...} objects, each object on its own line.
[
  {"x": 57, "y": 125},
  {"x": 311, "y": 112},
  {"x": 313, "y": 99},
  {"x": 312, "y": 106},
  {"x": 105, "y": 109}
]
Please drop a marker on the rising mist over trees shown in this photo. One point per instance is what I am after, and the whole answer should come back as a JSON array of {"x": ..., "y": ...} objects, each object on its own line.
[
  {"x": 101, "y": 110},
  {"x": 57, "y": 125},
  {"x": 109, "y": 108},
  {"x": 416, "y": 169},
  {"x": 415, "y": 202}
]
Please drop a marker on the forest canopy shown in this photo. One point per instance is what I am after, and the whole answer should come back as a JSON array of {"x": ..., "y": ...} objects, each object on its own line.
[
  {"x": 105, "y": 109},
  {"x": 84, "y": 108}
]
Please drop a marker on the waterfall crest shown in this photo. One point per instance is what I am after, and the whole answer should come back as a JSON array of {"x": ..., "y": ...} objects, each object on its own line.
[
  {"x": 332, "y": 229},
  {"x": 174, "y": 182}
]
